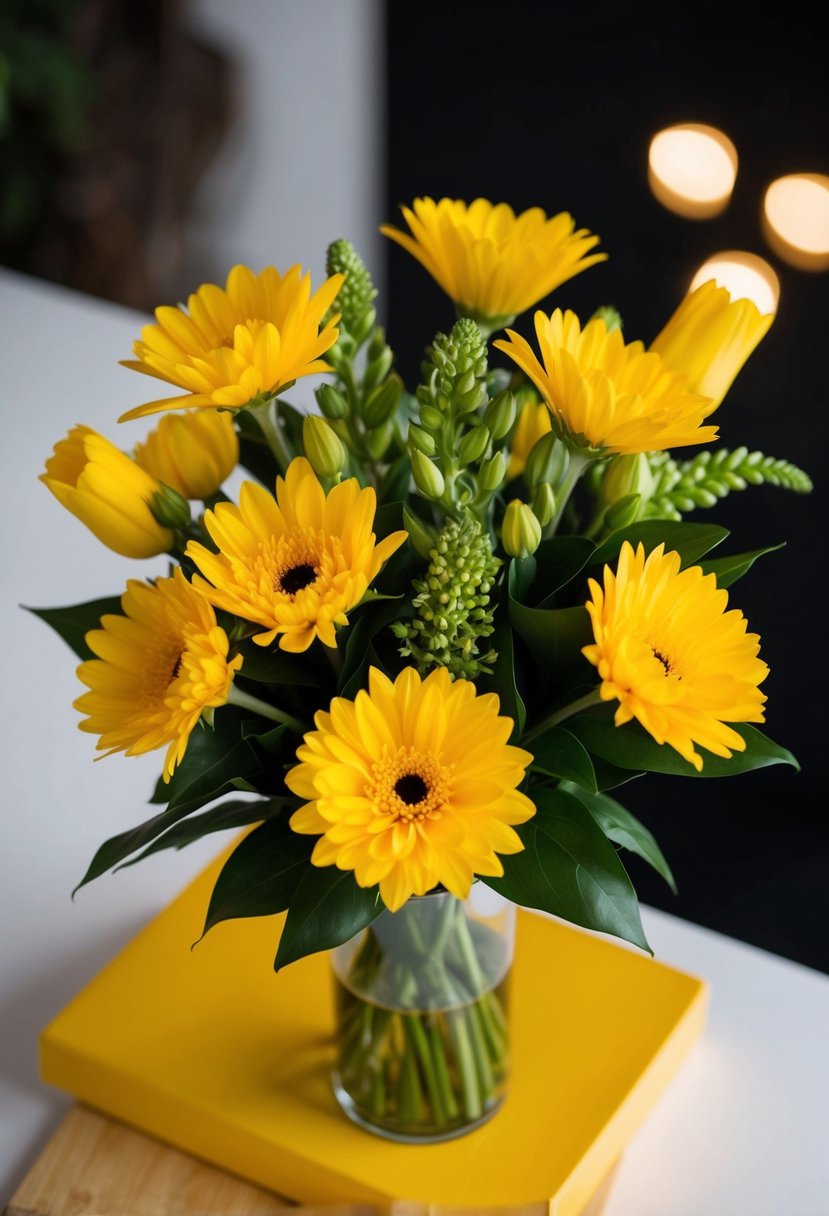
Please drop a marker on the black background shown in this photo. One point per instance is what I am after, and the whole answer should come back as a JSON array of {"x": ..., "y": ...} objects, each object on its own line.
[{"x": 538, "y": 104}]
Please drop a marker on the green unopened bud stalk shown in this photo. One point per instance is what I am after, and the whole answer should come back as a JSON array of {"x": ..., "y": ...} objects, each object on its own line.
[
  {"x": 546, "y": 462},
  {"x": 544, "y": 504},
  {"x": 170, "y": 509},
  {"x": 500, "y": 414},
  {"x": 421, "y": 440},
  {"x": 623, "y": 513},
  {"x": 332, "y": 404},
  {"x": 427, "y": 476},
  {"x": 431, "y": 417},
  {"x": 322, "y": 447},
  {"x": 627, "y": 475},
  {"x": 378, "y": 440},
  {"x": 610, "y": 315},
  {"x": 473, "y": 445},
  {"x": 492, "y": 473},
  {"x": 382, "y": 402},
  {"x": 421, "y": 536},
  {"x": 377, "y": 369},
  {"x": 357, "y": 292},
  {"x": 520, "y": 531}
]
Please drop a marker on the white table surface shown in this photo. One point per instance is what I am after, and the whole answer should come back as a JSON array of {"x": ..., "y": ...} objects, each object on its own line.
[{"x": 742, "y": 1130}]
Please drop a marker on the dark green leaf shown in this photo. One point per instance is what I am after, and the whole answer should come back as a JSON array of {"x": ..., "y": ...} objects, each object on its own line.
[
  {"x": 608, "y": 776},
  {"x": 559, "y": 560},
  {"x": 372, "y": 618},
  {"x": 690, "y": 541},
  {"x": 274, "y": 667},
  {"x": 262, "y": 874},
  {"x": 624, "y": 829},
  {"x": 394, "y": 488},
  {"x": 327, "y": 908},
  {"x": 234, "y": 814},
  {"x": 729, "y": 569},
  {"x": 254, "y": 453},
  {"x": 75, "y": 621},
  {"x": 568, "y": 867},
  {"x": 555, "y": 636},
  {"x": 213, "y": 760},
  {"x": 560, "y": 754},
  {"x": 502, "y": 679},
  {"x": 632, "y": 747},
  {"x": 118, "y": 847}
]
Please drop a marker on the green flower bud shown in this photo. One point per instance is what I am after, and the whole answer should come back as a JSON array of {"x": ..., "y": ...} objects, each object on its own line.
[
  {"x": 427, "y": 476},
  {"x": 473, "y": 445},
  {"x": 610, "y": 315},
  {"x": 322, "y": 447},
  {"x": 169, "y": 508},
  {"x": 382, "y": 402},
  {"x": 421, "y": 440},
  {"x": 421, "y": 536},
  {"x": 377, "y": 369},
  {"x": 546, "y": 462},
  {"x": 377, "y": 344},
  {"x": 357, "y": 292},
  {"x": 500, "y": 414},
  {"x": 431, "y": 417},
  {"x": 378, "y": 440},
  {"x": 492, "y": 473},
  {"x": 544, "y": 503},
  {"x": 453, "y": 373},
  {"x": 624, "y": 512},
  {"x": 628, "y": 475},
  {"x": 332, "y": 404},
  {"x": 520, "y": 531}
]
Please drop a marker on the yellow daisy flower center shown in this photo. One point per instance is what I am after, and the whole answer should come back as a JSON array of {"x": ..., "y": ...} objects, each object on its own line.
[
  {"x": 162, "y": 666},
  {"x": 409, "y": 786}
]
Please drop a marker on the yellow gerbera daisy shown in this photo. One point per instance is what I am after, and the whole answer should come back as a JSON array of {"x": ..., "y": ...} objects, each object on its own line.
[
  {"x": 108, "y": 492},
  {"x": 159, "y": 667},
  {"x": 493, "y": 263},
  {"x": 709, "y": 337},
  {"x": 240, "y": 344},
  {"x": 412, "y": 784},
  {"x": 670, "y": 653},
  {"x": 533, "y": 422},
  {"x": 611, "y": 395},
  {"x": 193, "y": 452},
  {"x": 297, "y": 564}
]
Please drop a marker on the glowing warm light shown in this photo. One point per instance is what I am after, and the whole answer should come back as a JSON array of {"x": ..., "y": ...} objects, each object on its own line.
[
  {"x": 692, "y": 169},
  {"x": 796, "y": 219},
  {"x": 744, "y": 275}
]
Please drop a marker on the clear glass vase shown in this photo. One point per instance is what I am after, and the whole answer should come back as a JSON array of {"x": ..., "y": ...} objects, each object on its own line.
[{"x": 421, "y": 1016}]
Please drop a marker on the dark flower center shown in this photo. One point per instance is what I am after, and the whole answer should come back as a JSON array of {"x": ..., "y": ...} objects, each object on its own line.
[
  {"x": 176, "y": 669},
  {"x": 296, "y": 578},
  {"x": 666, "y": 663},
  {"x": 411, "y": 789}
]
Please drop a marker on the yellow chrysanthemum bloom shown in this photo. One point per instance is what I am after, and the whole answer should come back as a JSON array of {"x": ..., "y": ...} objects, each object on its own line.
[
  {"x": 533, "y": 422},
  {"x": 412, "y": 784},
  {"x": 193, "y": 452},
  {"x": 606, "y": 393},
  {"x": 670, "y": 653},
  {"x": 709, "y": 337},
  {"x": 493, "y": 263},
  {"x": 159, "y": 667},
  {"x": 108, "y": 492},
  {"x": 297, "y": 564},
  {"x": 240, "y": 344}
]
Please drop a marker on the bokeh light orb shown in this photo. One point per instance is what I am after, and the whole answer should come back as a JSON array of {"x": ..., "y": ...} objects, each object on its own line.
[
  {"x": 692, "y": 169},
  {"x": 796, "y": 219},
  {"x": 744, "y": 275}
]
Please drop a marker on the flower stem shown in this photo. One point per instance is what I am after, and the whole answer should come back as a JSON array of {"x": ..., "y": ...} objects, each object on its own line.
[
  {"x": 591, "y": 698},
  {"x": 245, "y": 701},
  {"x": 576, "y": 466},
  {"x": 265, "y": 415}
]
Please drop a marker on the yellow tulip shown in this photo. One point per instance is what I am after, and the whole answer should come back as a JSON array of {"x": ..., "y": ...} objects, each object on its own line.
[
  {"x": 108, "y": 492},
  {"x": 709, "y": 337},
  {"x": 194, "y": 452}
]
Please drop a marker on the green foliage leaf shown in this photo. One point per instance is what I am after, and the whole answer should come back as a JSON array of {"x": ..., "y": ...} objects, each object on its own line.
[
  {"x": 233, "y": 814},
  {"x": 261, "y": 875},
  {"x": 502, "y": 680},
  {"x": 275, "y": 667},
  {"x": 327, "y": 908},
  {"x": 568, "y": 867},
  {"x": 559, "y": 560},
  {"x": 213, "y": 761},
  {"x": 394, "y": 487},
  {"x": 560, "y": 754},
  {"x": 624, "y": 829},
  {"x": 555, "y": 636},
  {"x": 117, "y": 848},
  {"x": 631, "y": 747},
  {"x": 254, "y": 453},
  {"x": 729, "y": 569},
  {"x": 690, "y": 541},
  {"x": 74, "y": 622}
]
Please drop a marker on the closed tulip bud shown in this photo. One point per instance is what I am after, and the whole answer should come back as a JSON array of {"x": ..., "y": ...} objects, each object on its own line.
[
  {"x": 170, "y": 509},
  {"x": 382, "y": 402},
  {"x": 108, "y": 492},
  {"x": 492, "y": 473},
  {"x": 520, "y": 531},
  {"x": 500, "y": 414},
  {"x": 193, "y": 453},
  {"x": 427, "y": 476},
  {"x": 627, "y": 475},
  {"x": 624, "y": 512},
  {"x": 421, "y": 440},
  {"x": 544, "y": 503},
  {"x": 322, "y": 447},
  {"x": 332, "y": 404},
  {"x": 546, "y": 462},
  {"x": 473, "y": 445}
]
